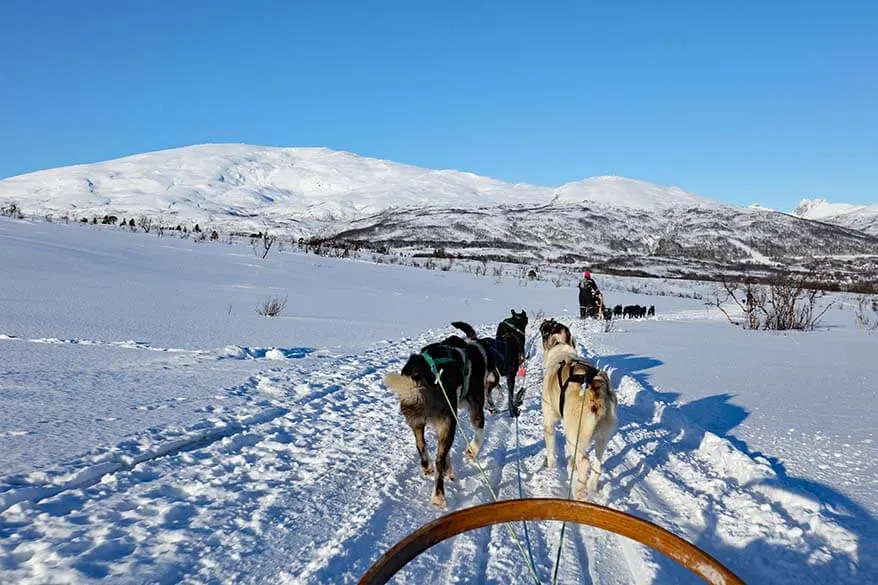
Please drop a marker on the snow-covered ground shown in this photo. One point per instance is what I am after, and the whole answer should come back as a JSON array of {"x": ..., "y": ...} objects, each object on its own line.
[{"x": 154, "y": 428}]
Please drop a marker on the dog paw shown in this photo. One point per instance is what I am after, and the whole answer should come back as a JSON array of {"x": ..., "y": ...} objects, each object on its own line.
[
  {"x": 551, "y": 463},
  {"x": 439, "y": 501},
  {"x": 471, "y": 451},
  {"x": 449, "y": 474},
  {"x": 592, "y": 484},
  {"x": 581, "y": 494},
  {"x": 429, "y": 470}
]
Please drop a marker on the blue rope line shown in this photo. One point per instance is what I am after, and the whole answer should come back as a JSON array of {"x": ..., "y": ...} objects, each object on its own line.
[{"x": 530, "y": 554}]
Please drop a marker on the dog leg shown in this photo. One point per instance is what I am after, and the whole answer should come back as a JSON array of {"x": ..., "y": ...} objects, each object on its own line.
[
  {"x": 549, "y": 429},
  {"x": 472, "y": 450},
  {"x": 513, "y": 408},
  {"x": 421, "y": 443},
  {"x": 477, "y": 418},
  {"x": 449, "y": 469},
  {"x": 445, "y": 434},
  {"x": 581, "y": 464},
  {"x": 600, "y": 445}
]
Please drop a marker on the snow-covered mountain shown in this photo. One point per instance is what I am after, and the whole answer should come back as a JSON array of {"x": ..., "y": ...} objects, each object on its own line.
[
  {"x": 858, "y": 217},
  {"x": 228, "y": 183},
  {"x": 340, "y": 197}
]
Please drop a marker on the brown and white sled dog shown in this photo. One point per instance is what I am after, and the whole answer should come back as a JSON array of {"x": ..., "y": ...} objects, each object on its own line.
[
  {"x": 580, "y": 396},
  {"x": 552, "y": 333},
  {"x": 432, "y": 385}
]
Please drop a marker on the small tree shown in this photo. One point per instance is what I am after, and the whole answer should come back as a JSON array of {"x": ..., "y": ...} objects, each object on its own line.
[{"x": 145, "y": 223}]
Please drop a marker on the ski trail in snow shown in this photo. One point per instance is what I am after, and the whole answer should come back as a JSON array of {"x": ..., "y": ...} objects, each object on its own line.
[
  {"x": 228, "y": 352},
  {"x": 316, "y": 475}
]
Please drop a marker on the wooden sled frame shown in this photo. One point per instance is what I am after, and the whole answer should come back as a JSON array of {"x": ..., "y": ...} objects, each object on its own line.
[{"x": 541, "y": 509}]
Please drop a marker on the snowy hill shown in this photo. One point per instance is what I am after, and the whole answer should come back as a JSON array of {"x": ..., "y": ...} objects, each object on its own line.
[
  {"x": 339, "y": 196},
  {"x": 227, "y": 183},
  {"x": 232, "y": 183},
  {"x": 859, "y": 217},
  {"x": 695, "y": 240}
]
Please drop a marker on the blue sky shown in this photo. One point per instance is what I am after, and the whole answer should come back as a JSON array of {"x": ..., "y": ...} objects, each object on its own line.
[{"x": 746, "y": 101}]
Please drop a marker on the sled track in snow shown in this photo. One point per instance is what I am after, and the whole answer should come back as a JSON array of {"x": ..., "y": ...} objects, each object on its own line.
[{"x": 325, "y": 478}]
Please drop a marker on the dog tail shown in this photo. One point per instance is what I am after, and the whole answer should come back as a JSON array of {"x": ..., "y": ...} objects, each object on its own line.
[
  {"x": 466, "y": 328},
  {"x": 600, "y": 396},
  {"x": 407, "y": 389}
]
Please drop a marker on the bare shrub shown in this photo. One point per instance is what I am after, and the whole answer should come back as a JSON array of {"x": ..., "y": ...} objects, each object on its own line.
[
  {"x": 867, "y": 312},
  {"x": 11, "y": 209},
  {"x": 145, "y": 223},
  {"x": 272, "y": 307},
  {"x": 782, "y": 303}
]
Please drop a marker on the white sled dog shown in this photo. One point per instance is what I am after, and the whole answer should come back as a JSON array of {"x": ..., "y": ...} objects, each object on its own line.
[{"x": 580, "y": 396}]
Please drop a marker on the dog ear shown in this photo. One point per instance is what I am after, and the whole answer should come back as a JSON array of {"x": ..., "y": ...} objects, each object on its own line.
[{"x": 513, "y": 312}]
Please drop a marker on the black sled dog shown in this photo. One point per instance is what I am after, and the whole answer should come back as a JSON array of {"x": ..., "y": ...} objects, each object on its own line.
[
  {"x": 508, "y": 350},
  {"x": 433, "y": 384}
]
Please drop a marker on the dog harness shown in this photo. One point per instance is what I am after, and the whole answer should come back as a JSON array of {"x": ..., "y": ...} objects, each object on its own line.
[
  {"x": 452, "y": 355},
  {"x": 501, "y": 355},
  {"x": 581, "y": 379},
  {"x": 508, "y": 323},
  {"x": 475, "y": 343},
  {"x": 551, "y": 327}
]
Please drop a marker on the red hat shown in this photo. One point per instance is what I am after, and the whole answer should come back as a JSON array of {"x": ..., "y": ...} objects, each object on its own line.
[{"x": 586, "y": 274}]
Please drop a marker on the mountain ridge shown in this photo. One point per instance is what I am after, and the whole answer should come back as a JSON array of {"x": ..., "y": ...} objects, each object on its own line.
[
  {"x": 859, "y": 217},
  {"x": 223, "y": 179},
  {"x": 342, "y": 198}
]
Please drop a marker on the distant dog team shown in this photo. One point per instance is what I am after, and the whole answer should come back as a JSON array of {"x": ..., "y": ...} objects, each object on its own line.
[{"x": 633, "y": 311}]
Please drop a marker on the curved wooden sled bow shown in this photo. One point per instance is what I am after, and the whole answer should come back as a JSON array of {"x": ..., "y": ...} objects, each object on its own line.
[{"x": 644, "y": 532}]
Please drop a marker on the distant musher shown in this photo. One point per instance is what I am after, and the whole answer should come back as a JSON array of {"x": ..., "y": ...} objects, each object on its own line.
[{"x": 590, "y": 298}]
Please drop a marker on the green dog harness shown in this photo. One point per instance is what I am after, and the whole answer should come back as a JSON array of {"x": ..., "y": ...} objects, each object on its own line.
[{"x": 452, "y": 355}]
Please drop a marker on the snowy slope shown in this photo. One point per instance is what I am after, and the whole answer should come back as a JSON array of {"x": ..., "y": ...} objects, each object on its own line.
[
  {"x": 629, "y": 193},
  {"x": 153, "y": 428},
  {"x": 226, "y": 183},
  {"x": 858, "y": 217},
  {"x": 693, "y": 240},
  {"x": 617, "y": 222}
]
